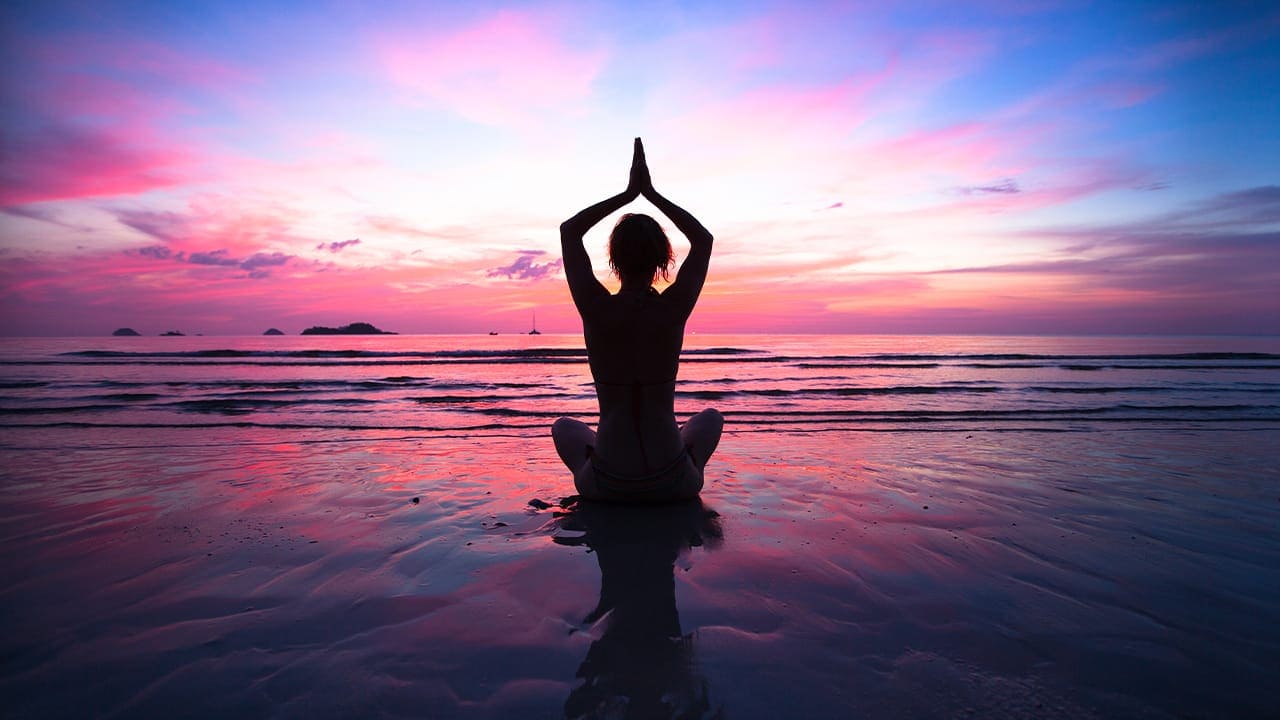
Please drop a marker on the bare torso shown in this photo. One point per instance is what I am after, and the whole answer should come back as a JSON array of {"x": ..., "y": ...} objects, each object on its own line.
[{"x": 633, "y": 346}]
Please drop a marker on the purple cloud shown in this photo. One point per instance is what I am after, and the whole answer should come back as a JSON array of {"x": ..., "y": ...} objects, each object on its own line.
[
  {"x": 1222, "y": 246},
  {"x": 159, "y": 252},
  {"x": 338, "y": 246},
  {"x": 255, "y": 264},
  {"x": 164, "y": 226},
  {"x": 261, "y": 260},
  {"x": 215, "y": 257},
  {"x": 524, "y": 267},
  {"x": 1256, "y": 205},
  {"x": 31, "y": 213}
]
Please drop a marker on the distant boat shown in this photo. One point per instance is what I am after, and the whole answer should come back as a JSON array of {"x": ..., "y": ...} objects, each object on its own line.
[
  {"x": 534, "y": 331},
  {"x": 493, "y": 332}
]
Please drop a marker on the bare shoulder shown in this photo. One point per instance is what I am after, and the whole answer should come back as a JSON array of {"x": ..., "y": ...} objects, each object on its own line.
[{"x": 684, "y": 292}]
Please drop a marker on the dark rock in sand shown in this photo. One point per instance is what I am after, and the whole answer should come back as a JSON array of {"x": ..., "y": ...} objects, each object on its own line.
[
  {"x": 539, "y": 504},
  {"x": 127, "y": 332},
  {"x": 359, "y": 328}
]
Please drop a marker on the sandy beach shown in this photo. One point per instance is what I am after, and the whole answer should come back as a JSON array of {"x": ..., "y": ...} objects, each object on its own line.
[{"x": 219, "y": 572}]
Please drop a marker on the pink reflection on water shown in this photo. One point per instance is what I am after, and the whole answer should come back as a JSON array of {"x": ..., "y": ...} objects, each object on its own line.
[{"x": 158, "y": 567}]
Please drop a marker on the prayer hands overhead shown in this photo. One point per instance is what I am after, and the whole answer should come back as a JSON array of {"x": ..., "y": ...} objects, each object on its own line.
[{"x": 640, "y": 183}]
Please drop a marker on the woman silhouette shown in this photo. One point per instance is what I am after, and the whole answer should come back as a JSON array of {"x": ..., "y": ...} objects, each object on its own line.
[{"x": 633, "y": 337}]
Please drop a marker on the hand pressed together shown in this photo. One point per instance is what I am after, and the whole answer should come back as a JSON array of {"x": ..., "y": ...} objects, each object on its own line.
[{"x": 640, "y": 182}]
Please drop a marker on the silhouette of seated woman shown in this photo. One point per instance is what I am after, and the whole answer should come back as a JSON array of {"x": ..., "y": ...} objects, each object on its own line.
[{"x": 638, "y": 452}]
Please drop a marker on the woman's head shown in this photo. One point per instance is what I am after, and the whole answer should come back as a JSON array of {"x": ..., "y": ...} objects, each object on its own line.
[{"x": 639, "y": 249}]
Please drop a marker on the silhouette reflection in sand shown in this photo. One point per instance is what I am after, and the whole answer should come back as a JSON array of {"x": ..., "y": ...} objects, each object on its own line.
[{"x": 642, "y": 665}]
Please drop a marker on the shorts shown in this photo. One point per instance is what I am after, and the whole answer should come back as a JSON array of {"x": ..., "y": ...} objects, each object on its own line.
[{"x": 680, "y": 480}]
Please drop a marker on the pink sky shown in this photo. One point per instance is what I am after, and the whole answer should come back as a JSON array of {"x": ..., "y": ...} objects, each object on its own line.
[{"x": 1051, "y": 168}]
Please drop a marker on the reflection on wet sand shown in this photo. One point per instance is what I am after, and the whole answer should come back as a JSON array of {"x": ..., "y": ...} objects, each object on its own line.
[{"x": 642, "y": 665}]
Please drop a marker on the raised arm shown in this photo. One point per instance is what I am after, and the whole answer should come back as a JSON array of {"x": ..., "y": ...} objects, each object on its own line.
[
  {"x": 583, "y": 284},
  {"x": 693, "y": 271}
]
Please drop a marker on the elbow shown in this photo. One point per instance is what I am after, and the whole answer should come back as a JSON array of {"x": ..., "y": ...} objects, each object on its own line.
[{"x": 569, "y": 231}]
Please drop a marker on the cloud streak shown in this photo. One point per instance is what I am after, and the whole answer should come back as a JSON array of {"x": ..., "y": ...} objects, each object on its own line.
[
  {"x": 525, "y": 267},
  {"x": 338, "y": 245},
  {"x": 1007, "y": 186}
]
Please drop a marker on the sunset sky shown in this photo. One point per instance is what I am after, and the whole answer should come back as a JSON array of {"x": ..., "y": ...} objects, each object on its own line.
[{"x": 999, "y": 166}]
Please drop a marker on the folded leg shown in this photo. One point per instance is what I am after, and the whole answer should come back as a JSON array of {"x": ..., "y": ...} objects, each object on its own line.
[
  {"x": 701, "y": 434},
  {"x": 573, "y": 440}
]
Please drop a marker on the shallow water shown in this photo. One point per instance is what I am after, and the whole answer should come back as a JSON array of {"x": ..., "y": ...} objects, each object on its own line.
[{"x": 908, "y": 574}]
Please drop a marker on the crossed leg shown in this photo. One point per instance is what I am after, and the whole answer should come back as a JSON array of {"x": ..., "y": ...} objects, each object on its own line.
[
  {"x": 701, "y": 434},
  {"x": 572, "y": 438}
]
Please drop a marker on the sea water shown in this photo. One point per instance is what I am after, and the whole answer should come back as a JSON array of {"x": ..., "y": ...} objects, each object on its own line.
[{"x": 450, "y": 385}]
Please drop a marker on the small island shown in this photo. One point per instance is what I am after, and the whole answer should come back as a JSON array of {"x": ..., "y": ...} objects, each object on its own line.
[
  {"x": 126, "y": 332},
  {"x": 173, "y": 333},
  {"x": 272, "y": 331},
  {"x": 359, "y": 328}
]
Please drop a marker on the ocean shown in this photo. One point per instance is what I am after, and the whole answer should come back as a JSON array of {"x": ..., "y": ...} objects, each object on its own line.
[
  {"x": 891, "y": 527},
  {"x": 519, "y": 384}
]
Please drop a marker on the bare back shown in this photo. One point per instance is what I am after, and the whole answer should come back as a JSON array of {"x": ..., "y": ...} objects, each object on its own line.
[{"x": 633, "y": 346}]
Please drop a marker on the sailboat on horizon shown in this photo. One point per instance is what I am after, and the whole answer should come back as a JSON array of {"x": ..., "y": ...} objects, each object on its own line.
[{"x": 534, "y": 331}]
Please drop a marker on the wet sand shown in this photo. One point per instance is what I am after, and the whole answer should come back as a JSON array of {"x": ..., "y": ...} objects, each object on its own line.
[{"x": 212, "y": 573}]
